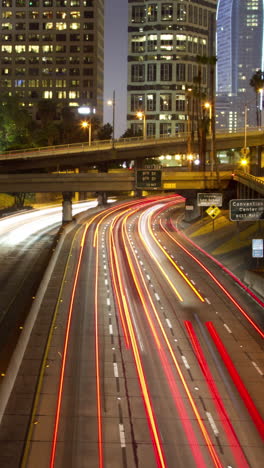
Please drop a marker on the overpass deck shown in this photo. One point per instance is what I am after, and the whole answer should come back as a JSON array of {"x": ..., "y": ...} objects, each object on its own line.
[{"x": 131, "y": 148}]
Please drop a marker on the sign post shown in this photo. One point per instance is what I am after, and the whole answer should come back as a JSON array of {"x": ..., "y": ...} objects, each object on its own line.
[{"x": 213, "y": 211}]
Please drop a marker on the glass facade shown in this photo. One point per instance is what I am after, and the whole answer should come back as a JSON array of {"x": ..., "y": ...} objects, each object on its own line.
[
  {"x": 240, "y": 47},
  {"x": 53, "y": 49},
  {"x": 165, "y": 38}
]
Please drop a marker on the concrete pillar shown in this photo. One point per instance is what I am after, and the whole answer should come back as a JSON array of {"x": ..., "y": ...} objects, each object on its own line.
[
  {"x": 192, "y": 210},
  {"x": 67, "y": 207},
  {"x": 102, "y": 198}
]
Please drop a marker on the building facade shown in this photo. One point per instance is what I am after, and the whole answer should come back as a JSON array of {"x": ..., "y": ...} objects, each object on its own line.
[
  {"x": 53, "y": 49},
  {"x": 240, "y": 53},
  {"x": 165, "y": 38}
]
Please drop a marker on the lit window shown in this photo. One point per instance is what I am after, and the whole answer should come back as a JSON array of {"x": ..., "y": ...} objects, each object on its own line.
[
  {"x": 75, "y": 14},
  {"x": 61, "y": 26},
  {"x": 47, "y": 25},
  {"x": 61, "y": 94},
  {"x": 75, "y": 25},
  {"x": 32, "y": 48},
  {"x": 20, "y": 49},
  {"x": 47, "y": 94},
  {"x": 6, "y": 48},
  {"x": 7, "y": 26}
]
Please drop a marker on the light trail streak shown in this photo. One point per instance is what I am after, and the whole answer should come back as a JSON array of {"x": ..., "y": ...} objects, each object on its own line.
[
  {"x": 65, "y": 350},
  {"x": 160, "y": 267},
  {"x": 224, "y": 418},
  {"x": 156, "y": 439},
  {"x": 97, "y": 362},
  {"x": 256, "y": 417},
  {"x": 209, "y": 444},
  {"x": 169, "y": 258},
  {"x": 249, "y": 319}
]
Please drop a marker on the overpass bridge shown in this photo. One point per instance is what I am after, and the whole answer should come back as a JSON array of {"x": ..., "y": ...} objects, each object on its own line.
[
  {"x": 82, "y": 155},
  {"x": 187, "y": 183}
]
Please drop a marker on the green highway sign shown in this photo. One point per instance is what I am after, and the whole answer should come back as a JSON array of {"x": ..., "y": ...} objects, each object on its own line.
[
  {"x": 148, "y": 178},
  {"x": 246, "y": 209}
]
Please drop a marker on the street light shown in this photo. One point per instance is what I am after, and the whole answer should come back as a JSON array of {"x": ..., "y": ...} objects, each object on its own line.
[
  {"x": 111, "y": 102},
  {"x": 88, "y": 125},
  {"x": 208, "y": 106},
  {"x": 141, "y": 115},
  {"x": 87, "y": 110}
]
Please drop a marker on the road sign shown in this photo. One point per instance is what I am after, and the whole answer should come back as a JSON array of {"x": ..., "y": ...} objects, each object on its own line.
[
  {"x": 208, "y": 199},
  {"x": 148, "y": 178},
  {"x": 246, "y": 210},
  {"x": 257, "y": 248},
  {"x": 213, "y": 211},
  {"x": 245, "y": 151}
]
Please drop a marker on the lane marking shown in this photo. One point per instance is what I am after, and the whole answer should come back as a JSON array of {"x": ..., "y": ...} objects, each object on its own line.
[
  {"x": 108, "y": 302},
  {"x": 212, "y": 423},
  {"x": 257, "y": 368},
  {"x": 111, "y": 329},
  {"x": 157, "y": 297},
  {"x": 115, "y": 370},
  {"x": 185, "y": 362},
  {"x": 169, "y": 323},
  {"x": 227, "y": 328},
  {"x": 207, "y": 300}
]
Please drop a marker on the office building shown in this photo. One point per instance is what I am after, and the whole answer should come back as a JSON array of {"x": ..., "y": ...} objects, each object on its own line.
[
  {"x": 53, "y": 49},
  {"x": 165, "y": 38},
  {"x": 240, "y": 46}
]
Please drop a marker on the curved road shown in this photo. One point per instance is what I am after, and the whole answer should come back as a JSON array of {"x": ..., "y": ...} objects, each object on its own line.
[{"x": 153, "y": 359}]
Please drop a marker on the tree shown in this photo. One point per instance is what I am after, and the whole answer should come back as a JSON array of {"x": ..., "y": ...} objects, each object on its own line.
[
  {"x": 15, "y": 124},
  {"x": 46, "y": 111},
  {"x": 129, "y": 133},
  {"x": 257, "y": 83},
  {"x": 105, "y": 132},
  {"x": 210, "y": 61}
]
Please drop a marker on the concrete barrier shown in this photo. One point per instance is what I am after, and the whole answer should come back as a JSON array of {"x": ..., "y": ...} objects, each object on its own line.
[{"x": 255, "y": 281}]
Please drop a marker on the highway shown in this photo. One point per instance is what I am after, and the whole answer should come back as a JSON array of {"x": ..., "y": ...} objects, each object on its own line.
[
  {"x": 154, "y": 356},
  {"x": 25, "y": 243}
]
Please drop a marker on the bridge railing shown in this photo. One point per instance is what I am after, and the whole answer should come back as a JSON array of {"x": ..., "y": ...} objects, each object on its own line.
[{"x": 99, "y": 145}]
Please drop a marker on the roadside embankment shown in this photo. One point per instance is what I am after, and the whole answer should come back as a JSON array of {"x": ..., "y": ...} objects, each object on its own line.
[{"x": 231, "y": 244}]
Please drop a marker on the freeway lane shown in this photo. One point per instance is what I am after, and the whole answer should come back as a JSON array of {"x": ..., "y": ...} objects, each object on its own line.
[
  {"x": 26, "y": 240},
  {"x": 137, "y": 371}
]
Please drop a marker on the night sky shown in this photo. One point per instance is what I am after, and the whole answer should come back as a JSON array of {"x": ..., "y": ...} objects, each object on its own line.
[{"x": 115, "y": 75}]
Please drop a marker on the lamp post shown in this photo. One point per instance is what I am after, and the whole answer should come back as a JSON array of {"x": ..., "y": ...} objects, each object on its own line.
[
  {"x": 189, "y": 138},
  {"x": 208, "y": 106},
  {"x": 111, "y": 102},
  {"x": 141, "y": 115},
  {"x": 88, "y": 125},
  {"x": 87, "y": 110}
]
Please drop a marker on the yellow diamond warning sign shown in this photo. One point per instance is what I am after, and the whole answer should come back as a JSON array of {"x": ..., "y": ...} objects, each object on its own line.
[{"x": 213, "y": 211}]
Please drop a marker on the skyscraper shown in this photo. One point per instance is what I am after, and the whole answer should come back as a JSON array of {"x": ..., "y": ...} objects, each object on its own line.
[
  {"x": 164, "y": 41},
  {"x": 53, "y": 49},
  {"x": 240, "y": 46}
]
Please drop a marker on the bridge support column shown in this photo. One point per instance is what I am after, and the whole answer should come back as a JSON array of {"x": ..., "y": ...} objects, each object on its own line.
[
  {"x": 102, "y": 198},
  {"x": 192, "y": 210},
  {"x": 67, "y": 207}
]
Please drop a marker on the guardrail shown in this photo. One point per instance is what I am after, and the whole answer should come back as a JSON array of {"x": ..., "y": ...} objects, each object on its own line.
[{"x": 99, "y": 145}]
